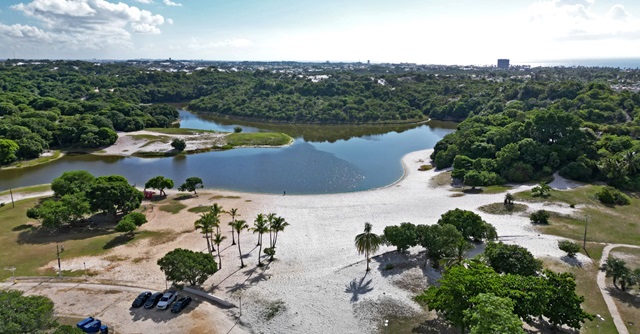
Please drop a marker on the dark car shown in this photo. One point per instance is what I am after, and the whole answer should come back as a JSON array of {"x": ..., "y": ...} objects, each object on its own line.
[
  {"x": 153, "y": 300},
  {"x": 181, "y": 304},
  {"x": 141, "y": 299}
]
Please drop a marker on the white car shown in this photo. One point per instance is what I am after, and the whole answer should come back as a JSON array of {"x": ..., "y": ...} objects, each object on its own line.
[{"x": 167, "y": 299}]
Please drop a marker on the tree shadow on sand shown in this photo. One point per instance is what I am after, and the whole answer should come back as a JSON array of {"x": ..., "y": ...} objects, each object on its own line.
[
  {"x": 572, "y": 261},
  {"x": 357, "y": 288},
  {"x": 41, "y": 235},
  {"x": 434, "y": 326},
  {"x": 624, "y": 297}
]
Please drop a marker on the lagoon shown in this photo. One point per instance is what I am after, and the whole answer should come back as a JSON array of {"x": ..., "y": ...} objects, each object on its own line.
[{"x": 322, "y": 159}]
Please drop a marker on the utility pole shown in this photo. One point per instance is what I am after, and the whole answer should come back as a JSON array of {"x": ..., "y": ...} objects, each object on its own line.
[
  {"x": 584, "y": 241},
  {"x": 13, "y": 204},
  {"x": 59, "y": 249}
]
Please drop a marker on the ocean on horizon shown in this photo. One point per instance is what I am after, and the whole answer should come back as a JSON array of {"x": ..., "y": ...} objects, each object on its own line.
[{"x": 623, "y": 63}]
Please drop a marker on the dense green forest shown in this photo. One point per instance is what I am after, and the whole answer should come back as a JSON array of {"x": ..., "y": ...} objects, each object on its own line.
[{"x": 518, "y": 125}]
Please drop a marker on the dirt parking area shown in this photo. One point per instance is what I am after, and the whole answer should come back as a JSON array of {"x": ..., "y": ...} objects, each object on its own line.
[{"x": 112, "y": 305}]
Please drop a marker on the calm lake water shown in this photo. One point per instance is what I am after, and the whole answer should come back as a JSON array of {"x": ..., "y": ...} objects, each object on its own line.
[{"x": 323, "y": 159}]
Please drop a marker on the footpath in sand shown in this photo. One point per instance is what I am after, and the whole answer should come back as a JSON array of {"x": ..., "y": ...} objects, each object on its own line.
[{"x": 317, "y": 284}]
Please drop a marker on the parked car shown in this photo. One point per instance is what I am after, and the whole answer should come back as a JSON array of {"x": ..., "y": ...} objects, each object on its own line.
[
  {"x": 153, "y": 300},
  {"x": 141, "y": 299},
  {"x": 181, "y": 304},
  {"x": 167, "y": 299}
]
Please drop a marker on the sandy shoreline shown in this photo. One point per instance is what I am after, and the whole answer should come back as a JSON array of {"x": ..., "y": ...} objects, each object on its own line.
[{"x": 318, "y": 281}]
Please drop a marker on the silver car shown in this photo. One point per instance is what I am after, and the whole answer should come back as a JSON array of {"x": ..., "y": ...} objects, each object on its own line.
[{"x": 167, "y": 299}]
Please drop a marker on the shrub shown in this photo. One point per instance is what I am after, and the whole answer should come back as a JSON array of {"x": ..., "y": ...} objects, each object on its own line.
[
  {"x": 569, "y": 246},
  {"x": 178, "y": 144},
  {"x": 539, "y": 217},
  {"x": 612, "y": 196},
  {"x": 541, "y": 190},
  {"x": 237, "y": 129}
]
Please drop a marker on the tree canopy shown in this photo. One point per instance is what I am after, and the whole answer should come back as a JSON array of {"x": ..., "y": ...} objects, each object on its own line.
[
  {"x": 470, "y": 224},
  {"x": 511, "y": 259},
  {"x": 160, "y": 183},
  {"x": 183, "y": 265},
  {"x": 25, "y": 314}
]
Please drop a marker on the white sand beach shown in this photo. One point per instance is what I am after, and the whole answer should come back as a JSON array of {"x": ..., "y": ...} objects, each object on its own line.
[{"x": 317, "y": 284}]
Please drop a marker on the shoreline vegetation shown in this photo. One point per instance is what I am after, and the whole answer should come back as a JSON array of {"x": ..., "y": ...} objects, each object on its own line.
[
  {"x": 156, "y": 142},
  {"x": 116, "y": 259},
  {"x": 518, "y": 125}
]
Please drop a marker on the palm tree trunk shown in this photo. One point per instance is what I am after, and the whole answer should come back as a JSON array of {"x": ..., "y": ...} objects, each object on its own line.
[
  {"x": 219, "y": 260},
  {"x": 240, "y": 251},
  {"x": 260, "y": 255},
  {"x": 233, "y": 237},
  {"x": 275, "y": 239},
  {"x": 367, "y": 258},
  {"x": 206, "y": 236},
  {"x": 270, "y": 238}
]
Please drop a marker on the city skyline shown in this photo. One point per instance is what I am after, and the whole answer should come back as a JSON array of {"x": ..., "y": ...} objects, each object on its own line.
[{"x": 414, "y": 31}]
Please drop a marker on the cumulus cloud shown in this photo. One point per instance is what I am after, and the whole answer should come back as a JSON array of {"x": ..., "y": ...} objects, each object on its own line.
[
  {"x": 80, "y": 24},
  {"x": 617, "y": 12},
  {"x": 171, "y": 3},
  {"x": 145, "y": 1},
  {"x": 169, "y": 21},
  {"x": 579, "y": 20}
]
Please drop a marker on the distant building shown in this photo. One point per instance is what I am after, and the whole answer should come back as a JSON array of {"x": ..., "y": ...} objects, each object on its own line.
[{"x": 503, "y": 63}]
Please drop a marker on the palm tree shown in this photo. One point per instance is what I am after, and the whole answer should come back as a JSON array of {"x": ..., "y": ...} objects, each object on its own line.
[
  {"x": 367, "y": 242},
  {"x": 460, "y": 248},
  {"x": 270, "y": 218},
  {"x": 617, "y": 269},
  {"x": 217, "y": 240},
  {"x": 260, "y": 226},
  {"x": 278, "y": 224},
  {"x": 216, "y": 211},
  {"x": 234, "y": 213},
  {"x": 238, "y": 226},
  {"x": 205, "y": 225}
]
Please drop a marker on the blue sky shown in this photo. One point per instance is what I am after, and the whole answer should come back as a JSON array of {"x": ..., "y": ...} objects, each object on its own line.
[{"x": 418, "y": 31}]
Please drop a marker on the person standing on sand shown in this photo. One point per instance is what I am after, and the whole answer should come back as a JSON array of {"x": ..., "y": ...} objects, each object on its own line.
[{"x": 284, "y": 193}]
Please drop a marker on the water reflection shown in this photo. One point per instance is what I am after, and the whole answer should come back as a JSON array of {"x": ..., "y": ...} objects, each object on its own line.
[{"x": 323, "y": 159}]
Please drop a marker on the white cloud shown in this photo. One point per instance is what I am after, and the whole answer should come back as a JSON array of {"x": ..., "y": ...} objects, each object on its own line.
[
  {"x": 80, "y": 24},
  {"x": 170, "y": 21},
  {"x": 617, "y": 12},
  {"x": 566, "y": 20},
  {"x": 171, "y": 3},
  {"x": 145, "y": 1}
]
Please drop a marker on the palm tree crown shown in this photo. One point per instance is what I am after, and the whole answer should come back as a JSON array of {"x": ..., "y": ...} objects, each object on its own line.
[{"x": 367, "y": 242}]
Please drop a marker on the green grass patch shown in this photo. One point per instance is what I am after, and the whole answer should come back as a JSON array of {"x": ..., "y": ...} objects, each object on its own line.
[
  {"x": 150, "y": 137},
  {"x": 587, "y": 286},
  {"x": 179, "y": 131},
  {"x": 38, "y": 161},
  {"x": 28, "y": 190},
  {"x": 214, "y": 197},
  {"x": 612, "y": 224},
  {"x": 199, "y": 209},
  {"x": 502, "y": 209},
  {"x": 495, "y": 189},
  {"x": 173, "y": 207},
  {"x": 258, "y": 139},
  {"x": 28, "y": 248}
]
